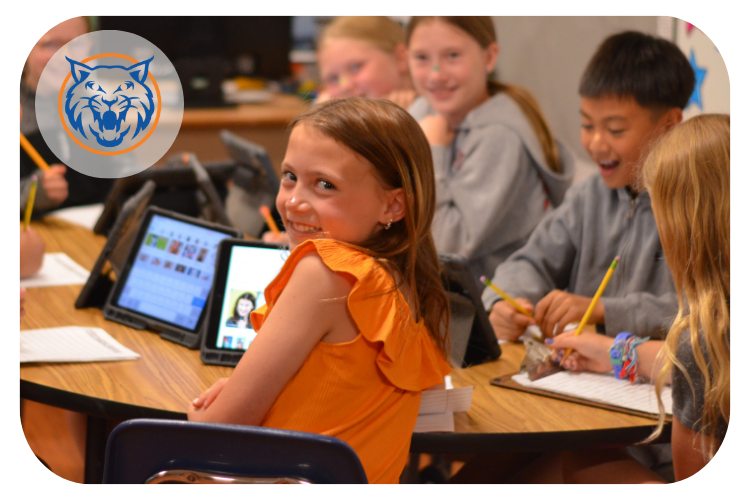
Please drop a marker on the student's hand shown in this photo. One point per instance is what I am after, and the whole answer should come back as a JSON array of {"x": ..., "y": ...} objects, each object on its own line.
[
  {"x": 561, "y": 308},
  {"x": 31, "y": 251},
  {"x": 507, "y": 322},
  {"x": 402, "y": 98},
  {"x": 23, "y": 300},
  {"x": 590, "y": 351},
  {"x": 54, "y": 184},
  {"x": 271, "y": 237},
  {"x": 437, "y": 131},
  {"x": 202, "y": 402}
]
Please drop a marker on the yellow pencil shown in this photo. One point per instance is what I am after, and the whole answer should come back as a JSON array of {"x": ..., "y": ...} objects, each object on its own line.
[
  {"x": 506, "y": 297},
  {"x": 266, "y": 213},
  {"x": 590, "y": 309},
  {"x": 26, "y": 145},
  {"x": 29, "y": 204}
]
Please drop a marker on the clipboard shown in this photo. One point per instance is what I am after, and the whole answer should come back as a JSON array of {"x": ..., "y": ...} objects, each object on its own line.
[{"x": 507, "y": 382}]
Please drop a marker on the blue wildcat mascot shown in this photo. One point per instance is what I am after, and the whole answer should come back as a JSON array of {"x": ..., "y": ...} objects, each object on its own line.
[{"x": 109, "y": 93}]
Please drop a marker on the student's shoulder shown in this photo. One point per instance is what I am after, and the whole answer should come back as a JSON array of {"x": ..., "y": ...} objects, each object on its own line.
[
  {"x": 318, "y": 277},
  {"x": 590, "y": 190}
]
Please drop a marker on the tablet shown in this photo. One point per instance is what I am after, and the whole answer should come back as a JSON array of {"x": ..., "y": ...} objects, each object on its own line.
[
  {"x": 99, "y": 283},
  {"x": 176, "y": 185},
  {"x": 250, "y": 155},
  {"x": 472, "y": 337},
  {"x": 168, "y": 275},
  {"x": 243, "y": 270}
]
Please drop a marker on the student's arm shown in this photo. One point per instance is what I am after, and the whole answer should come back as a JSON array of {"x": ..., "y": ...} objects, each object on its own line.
[
  {"x": 52, "y": 189},
  {"x": 487, "y": 203},
  {"x": 302, "y": 316},
  {"x": 641, "y": 313},
  {"x": 547, "y": 259},
  {"x": 687, "y": 457},
  {"x": 591, "y": 353},
  {"x": 32, "y": 252}
]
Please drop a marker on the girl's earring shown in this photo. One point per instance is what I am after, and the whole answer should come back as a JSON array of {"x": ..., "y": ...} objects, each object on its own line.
[{"x": 388, "y": 226}]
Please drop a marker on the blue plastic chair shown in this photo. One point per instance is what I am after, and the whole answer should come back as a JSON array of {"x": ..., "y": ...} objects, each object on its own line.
[{"x": 175, "y": 451}]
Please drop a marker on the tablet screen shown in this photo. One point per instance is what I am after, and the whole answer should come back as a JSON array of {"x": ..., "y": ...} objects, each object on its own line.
[
  {"x": 171, "y": 276},
  {"x": 249, "y": 271}
]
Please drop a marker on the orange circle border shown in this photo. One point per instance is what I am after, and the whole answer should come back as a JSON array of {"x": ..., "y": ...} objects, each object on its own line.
[{"x": 109, "y": 153}]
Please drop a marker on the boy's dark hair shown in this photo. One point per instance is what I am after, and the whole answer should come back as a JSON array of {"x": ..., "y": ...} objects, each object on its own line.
[{"x": 652, "y": 70}]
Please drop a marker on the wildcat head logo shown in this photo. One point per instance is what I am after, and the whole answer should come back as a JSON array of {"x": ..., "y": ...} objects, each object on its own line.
[{"x": 109, "y": 105}]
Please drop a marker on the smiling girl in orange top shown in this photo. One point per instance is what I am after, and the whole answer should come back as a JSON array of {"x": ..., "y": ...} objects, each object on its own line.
[{"x": 354, "y": 325}]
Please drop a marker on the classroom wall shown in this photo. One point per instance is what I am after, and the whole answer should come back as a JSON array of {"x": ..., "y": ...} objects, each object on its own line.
[{"x": 547, "y": 55}]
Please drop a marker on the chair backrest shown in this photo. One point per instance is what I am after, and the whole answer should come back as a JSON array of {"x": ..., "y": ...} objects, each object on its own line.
[{"x": 158, "y": 451}]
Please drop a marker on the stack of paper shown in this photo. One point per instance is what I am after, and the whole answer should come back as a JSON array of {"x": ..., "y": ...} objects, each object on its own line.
[
  {"x": 72, "y": 344},
  {"x": 601, "y": 388},
  {"x": 57, "y": 269},
  {"x": 84, "y": 216},
  {"x": 437, "y": 408}
]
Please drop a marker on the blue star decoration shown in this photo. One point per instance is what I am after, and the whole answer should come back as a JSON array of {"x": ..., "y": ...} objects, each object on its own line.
[{"x": 700, "y": 76}]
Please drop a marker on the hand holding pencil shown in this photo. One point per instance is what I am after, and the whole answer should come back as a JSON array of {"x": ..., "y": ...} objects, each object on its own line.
[{"x": 509, "y": 317}]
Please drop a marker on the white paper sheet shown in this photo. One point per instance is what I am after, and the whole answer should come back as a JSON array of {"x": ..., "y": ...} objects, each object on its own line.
[
  {"x": 85, "y": 216},
  {"x": 441, "y": 401},
  {"x": 436, "y": 422},
  {"x": 71, "y": 344},
  {"x": 602, "y": 388},
  {"x": 57, "y": 269},
  {"x": 438, "y": 405}
]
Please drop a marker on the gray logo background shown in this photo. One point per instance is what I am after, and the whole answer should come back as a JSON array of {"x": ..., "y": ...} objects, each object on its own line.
[{"x": 123, "y": 164}]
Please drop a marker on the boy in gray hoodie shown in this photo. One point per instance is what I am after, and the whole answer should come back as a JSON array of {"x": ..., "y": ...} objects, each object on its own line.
[{"x": 633, "y": 90}]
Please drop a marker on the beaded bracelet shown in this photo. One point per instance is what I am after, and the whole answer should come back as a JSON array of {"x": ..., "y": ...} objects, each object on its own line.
[{"x": 624, "y": 356}]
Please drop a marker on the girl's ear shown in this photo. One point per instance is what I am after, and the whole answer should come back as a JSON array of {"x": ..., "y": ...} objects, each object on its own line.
[
  {"x": 491, "y": 53},
  {"x": 396, "y": 206},
  {"x": 402, "y": 58}
]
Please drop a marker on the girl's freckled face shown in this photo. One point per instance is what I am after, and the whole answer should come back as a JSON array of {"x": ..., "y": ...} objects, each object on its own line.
[{"x": 328, "y": 191}]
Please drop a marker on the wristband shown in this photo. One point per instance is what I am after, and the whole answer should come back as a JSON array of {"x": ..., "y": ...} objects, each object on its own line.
[
  {"x": 624, "y": 356},
  {"x": 618, "y": 351}
]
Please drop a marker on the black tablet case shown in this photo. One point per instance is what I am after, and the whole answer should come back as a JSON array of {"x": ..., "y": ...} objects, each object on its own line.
[
  {"x": 116, "y": 249},
  {"x": 210, "y": 354},
  {"x": 132, "y": 319}
]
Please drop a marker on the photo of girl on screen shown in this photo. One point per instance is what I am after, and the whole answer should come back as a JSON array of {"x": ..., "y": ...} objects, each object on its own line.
[{"x": 242, "y": 308}]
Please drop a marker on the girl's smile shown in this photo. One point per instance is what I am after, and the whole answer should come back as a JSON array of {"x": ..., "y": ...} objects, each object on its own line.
[{"x": 328, "y": 191}]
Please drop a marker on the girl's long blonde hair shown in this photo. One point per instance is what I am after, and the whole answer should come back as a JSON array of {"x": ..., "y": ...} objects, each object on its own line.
[
  {"x": 481, "y": 29},
  {"x": 393, "y": 142},
  {"x": 687, "y": 176},
  {"x": 379, "y": 31}
]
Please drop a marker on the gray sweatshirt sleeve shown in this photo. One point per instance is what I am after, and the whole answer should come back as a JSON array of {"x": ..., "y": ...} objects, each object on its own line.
[
  {"x": 41, "y": 202},
  {"x": 546, "y": 261},
  {"x": 481, "y": 205},
  {"x": 641, "y": 313}
]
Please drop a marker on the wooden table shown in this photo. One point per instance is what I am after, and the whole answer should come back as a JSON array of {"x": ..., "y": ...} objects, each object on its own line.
[
  {"x": 167, "y": 377},
  {"x": 264, "y": 124}
]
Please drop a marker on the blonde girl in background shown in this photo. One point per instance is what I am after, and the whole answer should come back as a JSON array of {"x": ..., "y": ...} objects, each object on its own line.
[
  {"x": 365, "y": 56},
  {"x": 361, "y": 56},
  {"x": 687, "y": 176},
  {"x": 354, "y": 327},
  {"x": 497, "y": 166}
]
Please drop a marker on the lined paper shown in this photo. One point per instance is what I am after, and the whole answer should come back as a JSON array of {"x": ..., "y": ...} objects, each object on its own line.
[
  {"x": 71, "y": 344},
  {"x": 437, "y": 407},
  {"x": 436, "y": 422},
  {"x": 57, "y": 269},
  {"x": 601, "y": 388},
  {"x": 449, "y": 400}
]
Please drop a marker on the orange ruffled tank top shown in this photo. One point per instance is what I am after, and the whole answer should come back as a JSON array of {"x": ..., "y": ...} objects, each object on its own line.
[{"x": 365, "y": 392}]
